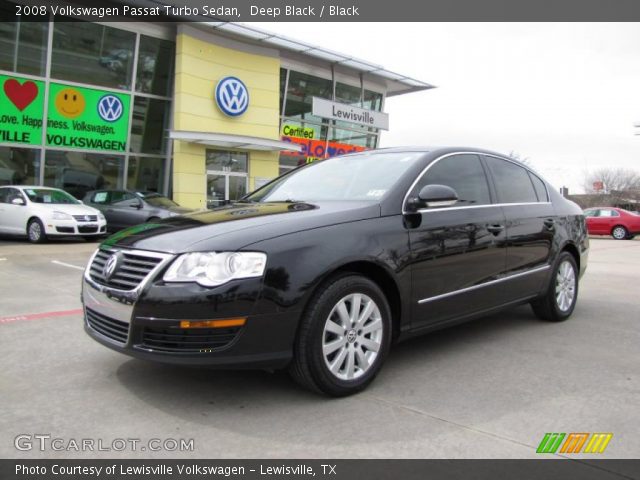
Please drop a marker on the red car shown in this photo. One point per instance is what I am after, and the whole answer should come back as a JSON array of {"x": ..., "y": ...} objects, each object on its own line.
[{"x": 620, "y": 224}]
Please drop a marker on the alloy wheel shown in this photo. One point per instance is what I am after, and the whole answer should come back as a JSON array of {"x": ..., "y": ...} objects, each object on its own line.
[
  {"x": 565, "y": 286},
  {"x": 35, "y": 231},
  {"x": 619, "y": 233},
  {"x": 352, "y": 336}
]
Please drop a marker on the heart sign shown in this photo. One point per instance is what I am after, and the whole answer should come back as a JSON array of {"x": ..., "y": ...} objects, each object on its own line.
[{"x": 20, "y": 95}]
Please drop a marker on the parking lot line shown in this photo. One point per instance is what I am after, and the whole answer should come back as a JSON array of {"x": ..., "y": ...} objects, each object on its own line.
[
  {"x": 67, "y": 265},
  {"x": 38, "y": 316}
]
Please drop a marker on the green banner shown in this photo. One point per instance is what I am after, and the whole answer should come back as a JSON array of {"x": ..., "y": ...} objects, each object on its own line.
[
  {"x": 87, "y": 118},
  {"x": 21, "y": 105}
]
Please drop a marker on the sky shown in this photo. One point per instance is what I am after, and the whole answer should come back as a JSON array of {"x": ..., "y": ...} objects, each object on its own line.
[{"x": 565, "y": 96}]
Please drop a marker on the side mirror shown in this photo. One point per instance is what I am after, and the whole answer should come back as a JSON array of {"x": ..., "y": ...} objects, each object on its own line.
[
  {"x": 135, "y": 205},
  {"x": 433, "y": 196},
  {"x": 18, "y": 201}
]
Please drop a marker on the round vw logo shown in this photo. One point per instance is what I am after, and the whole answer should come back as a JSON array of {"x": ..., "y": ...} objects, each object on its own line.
[
  {"x": 110, "y": 266},
  {"x": 351, "y": 336},
  {"x": 232, "y": 96},
  {"x": 110, "y": 108}
]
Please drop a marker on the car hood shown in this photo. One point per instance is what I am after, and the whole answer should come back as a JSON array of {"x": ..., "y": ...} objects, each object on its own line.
[
  {"x": 69, "y": 209},
  {"x": 178, "y": 210},
  {"x": 236, "y": 226}
]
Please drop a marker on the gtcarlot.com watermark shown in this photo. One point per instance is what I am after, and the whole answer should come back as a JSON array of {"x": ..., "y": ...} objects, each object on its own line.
[{"x": 48, "y": 443}]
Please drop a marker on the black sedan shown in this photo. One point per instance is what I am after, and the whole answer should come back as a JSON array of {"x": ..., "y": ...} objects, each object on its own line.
[
  {"x": 322, "y": 269},
  {"x": 125, "y": 208}
]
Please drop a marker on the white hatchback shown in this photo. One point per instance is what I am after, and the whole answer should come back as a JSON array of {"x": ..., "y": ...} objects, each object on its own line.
[{"x": 41, "y": 212}]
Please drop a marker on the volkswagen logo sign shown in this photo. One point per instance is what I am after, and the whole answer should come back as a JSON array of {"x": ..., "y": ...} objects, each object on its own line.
[
  {"x": 232, "y": 96},
  {"x": 110, "y": 108},
  {"x": 110, "y": 265}
]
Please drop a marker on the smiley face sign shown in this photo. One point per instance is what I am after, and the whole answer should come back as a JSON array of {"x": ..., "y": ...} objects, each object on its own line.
[{"x": 70, "y": 103}]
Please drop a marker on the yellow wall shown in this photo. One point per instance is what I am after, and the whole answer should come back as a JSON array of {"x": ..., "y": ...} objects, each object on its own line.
[{"x": 199, "y": 67}]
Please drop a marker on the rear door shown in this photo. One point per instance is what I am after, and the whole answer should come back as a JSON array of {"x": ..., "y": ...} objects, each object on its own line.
[
  {"x": 530, "y": 223},
  {"x": 126, "y": 209},
  {"x": 14, "y": 217},
  {"x": 456, "y": 251}
]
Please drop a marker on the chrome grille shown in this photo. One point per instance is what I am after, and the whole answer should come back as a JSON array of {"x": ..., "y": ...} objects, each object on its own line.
[
  {"x": 86, "y": 218},
  {"x": 130, "y": 273},
  {"x": 109, "y": 327}
]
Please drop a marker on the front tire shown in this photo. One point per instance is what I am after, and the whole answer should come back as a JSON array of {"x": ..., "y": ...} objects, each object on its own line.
[
  {"x": 35, "y": 231},
  {"x": 344, "y": 337},
  {"x": 619, "y": 232},
  {"x": 558, "y": 302}
]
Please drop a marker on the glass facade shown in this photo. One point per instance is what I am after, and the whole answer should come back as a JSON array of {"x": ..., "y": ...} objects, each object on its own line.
[
  {"x": 322, "y": 138},
  {"x": 110, "y": 74}
]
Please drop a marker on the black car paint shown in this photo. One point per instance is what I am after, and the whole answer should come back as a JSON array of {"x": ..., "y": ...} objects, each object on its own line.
[{"x": 411, "y": 255}]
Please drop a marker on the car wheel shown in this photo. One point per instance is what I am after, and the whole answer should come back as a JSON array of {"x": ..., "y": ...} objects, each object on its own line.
[
  {"x": 153, "y": 219},
  {"x": 344, "y": 337},
  {"x": 619, "y": 232},
  {"x": 35, "y": 231},
  {"x": 560, "y": 299}
]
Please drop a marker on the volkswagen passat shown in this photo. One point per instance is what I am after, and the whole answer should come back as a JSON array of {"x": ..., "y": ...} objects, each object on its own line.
[{"x": 322, "y": 269}]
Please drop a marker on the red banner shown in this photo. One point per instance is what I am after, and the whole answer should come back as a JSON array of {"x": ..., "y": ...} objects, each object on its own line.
[{"x": 320, "y": 148}]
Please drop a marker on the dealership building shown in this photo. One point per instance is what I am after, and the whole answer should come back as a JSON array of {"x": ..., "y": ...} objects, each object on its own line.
[{"x": 203, "y": 112}]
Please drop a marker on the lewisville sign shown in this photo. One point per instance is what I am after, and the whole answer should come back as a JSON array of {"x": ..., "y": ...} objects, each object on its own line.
[
  {"x": 77, "y": 117},
  {"x": 348, "y": 113}
]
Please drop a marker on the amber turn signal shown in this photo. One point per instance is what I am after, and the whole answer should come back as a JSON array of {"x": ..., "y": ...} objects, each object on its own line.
[{"x": 227, "y": 322}]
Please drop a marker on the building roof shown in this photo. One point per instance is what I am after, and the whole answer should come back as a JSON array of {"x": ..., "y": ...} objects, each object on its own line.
[{"x": 396, "y": 83}]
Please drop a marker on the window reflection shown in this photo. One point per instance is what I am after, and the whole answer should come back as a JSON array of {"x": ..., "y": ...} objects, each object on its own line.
[
  {"x": 146, "y": 174},
  {"x": 23, "y": 45},
  {"x": 155, "y": 62},
  {"x": 91, "y": 53},
  {"x": 149, "y": 125},
  {"x": 19, "y": 166}
]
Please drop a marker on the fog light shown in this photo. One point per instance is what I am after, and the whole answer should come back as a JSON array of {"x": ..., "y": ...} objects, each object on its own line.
[{"x": 225, "y": 323}]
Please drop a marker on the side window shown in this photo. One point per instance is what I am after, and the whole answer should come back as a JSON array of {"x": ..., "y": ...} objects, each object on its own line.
[
  {"x": 4, "y": 195},
  {"x": 539, "y": 187},
  {"x": 101, "y": 198},
  {"x": 121, "y": 199},
  {"x": 609, "y": 213},
  {"x": 512, "y": 182},
  {"x": 463, "y": 173},
  {"x": 591, "y": 213},
  {"x": 11, "y": 194}
]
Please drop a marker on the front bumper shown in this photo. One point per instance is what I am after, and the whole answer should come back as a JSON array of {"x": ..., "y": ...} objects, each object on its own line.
[
  {"x": 145, "y": 323},
  {"x": 73, "y": 227}
]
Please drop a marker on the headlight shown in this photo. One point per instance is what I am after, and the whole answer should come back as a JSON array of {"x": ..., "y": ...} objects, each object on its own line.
[
  {"x": 61, "y": 216},
  {"x": 211, "y": 269},
  {"x": 101, "y": 216}
]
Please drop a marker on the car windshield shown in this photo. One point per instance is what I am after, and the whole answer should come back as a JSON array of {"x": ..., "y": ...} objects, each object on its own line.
[
  {"x": 157, "y": 200},
  {"x": 45, "y": 195},
  {"x": 366, "y": 176}
]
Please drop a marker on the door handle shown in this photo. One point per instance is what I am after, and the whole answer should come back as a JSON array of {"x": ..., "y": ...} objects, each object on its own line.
[
  {"x": 549, "y": 223},
  {"x": 495, "y": 229}
]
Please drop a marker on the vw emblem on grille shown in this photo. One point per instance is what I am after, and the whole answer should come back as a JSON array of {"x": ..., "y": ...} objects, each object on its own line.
[
  {"x": 87, "y": 218},
  {"x": 232, "y": 96},
  {"x": 110, "y": 265}
]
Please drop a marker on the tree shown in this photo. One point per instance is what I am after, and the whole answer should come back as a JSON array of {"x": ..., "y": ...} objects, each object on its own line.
[
  {"x": 524, "y": 160},
  {"x": 614, "y": 180}
]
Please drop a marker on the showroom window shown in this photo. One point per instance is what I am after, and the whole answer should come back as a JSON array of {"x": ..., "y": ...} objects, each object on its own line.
[
  {"x": 155, "y": 66},
  {"x": 463, "y": 173},
  {"x": 79, "y": 172},
  {"x": 90, "y": 53},
  {"x": 146, "y": 174},
  {"x": 149, "y": 125},
  {"x": 513, "y": 184},
  {"x": 19, "y": 166},
  {"x": 23, "y": 45},
  {"x": 300, "y": 92},
  {"x": 348, "y": 94}
]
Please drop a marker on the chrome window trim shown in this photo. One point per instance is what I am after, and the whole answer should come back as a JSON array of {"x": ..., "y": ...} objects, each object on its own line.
[
  {"x": 426, "y": 169},
  {"x": 485, "y": 284}
]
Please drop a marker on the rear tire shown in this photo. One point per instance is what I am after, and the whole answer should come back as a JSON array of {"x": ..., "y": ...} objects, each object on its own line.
[
  {"x": 619, "y": 232},
  {"x": 558, "y": 302},
  {"x": 35, "y": 231},
  {"x": 343, "y": 338}
]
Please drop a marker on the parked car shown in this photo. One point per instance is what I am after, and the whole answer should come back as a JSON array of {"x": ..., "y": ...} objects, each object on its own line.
[
  {"x": 619, "y": 223},
  {"x": 125, "y": 208},
  {"x": 43, "y": 212},
  {"x": 320, "y": 270}
]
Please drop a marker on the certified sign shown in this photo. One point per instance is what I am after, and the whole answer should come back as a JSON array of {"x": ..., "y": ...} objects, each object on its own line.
[{"x": 232, "y": 96}]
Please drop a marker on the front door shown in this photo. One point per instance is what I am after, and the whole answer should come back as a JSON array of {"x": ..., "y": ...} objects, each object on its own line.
[
  {"x": 227, "y": 177},
  {"x": 456, "y": 251}
]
